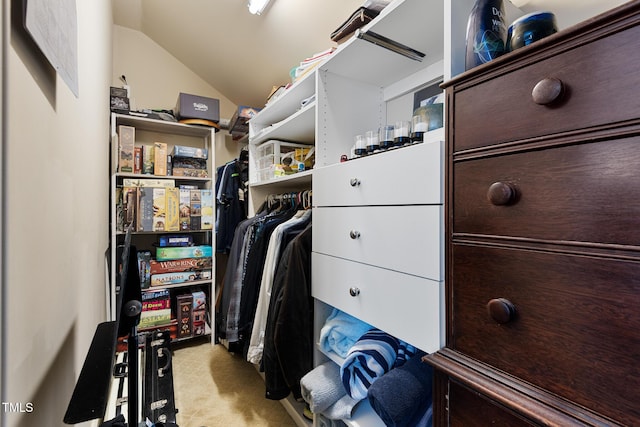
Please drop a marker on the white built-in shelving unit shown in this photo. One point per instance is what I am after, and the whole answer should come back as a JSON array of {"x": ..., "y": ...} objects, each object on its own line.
[
  {"x": 148, "y": 131},
  {"x": 392, "y": 199}
]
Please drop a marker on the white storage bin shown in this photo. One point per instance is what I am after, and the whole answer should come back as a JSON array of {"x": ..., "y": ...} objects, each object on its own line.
[{"x": 268, "y": 158}]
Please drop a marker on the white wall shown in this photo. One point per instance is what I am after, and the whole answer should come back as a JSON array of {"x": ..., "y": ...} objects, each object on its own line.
[{"x": 56, "y": 211}]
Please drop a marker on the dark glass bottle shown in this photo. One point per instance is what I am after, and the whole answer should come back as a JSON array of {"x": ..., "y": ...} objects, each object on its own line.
[{"x": 486, "y": 32}]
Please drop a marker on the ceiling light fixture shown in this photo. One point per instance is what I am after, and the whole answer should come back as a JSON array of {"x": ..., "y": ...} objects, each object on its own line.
[{"x": 257, "y": 6}]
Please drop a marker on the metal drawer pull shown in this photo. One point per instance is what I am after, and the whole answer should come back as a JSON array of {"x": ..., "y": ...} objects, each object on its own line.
[
  {"x": 354, "y": 292},
  {"x": 547, "y": 91},
  {"x": 502, "y": 193},
  {"x": 501, "y": 310},
  {"x": 354, "y": 182},
  {"x": 354, "y": 234}
]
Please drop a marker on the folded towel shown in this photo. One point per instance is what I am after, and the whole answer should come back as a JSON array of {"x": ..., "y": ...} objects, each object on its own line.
[
  {"x": 342, "y": 409},
  {"x": 340, "y": 332},
  {"x": 322, "y": 421},
  {"x": 321, "y": 387},
  {"x": 373, "y": 355},
  {"x": 402, "y": 397}
]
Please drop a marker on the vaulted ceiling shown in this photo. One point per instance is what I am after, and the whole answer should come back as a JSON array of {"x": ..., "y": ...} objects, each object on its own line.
[{"x": 239, "y": 54}]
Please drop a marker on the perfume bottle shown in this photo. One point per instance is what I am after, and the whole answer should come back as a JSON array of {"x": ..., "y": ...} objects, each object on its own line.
[{"x": 486, "y": 32}]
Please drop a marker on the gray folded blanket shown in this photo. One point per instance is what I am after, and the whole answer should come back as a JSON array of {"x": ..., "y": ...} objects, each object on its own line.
[{"x": 322, "y": 389}]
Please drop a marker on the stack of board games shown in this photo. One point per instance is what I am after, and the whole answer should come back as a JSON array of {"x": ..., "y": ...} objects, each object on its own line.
[
  {"x": 157, "y": 205},
  {"x": 156, "y": 309},
  {"x": 189, "y": 161},
  {"x": 197, "y": 265}
]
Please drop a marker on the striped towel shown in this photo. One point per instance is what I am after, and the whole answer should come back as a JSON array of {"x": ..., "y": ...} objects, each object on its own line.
[{"x": 374, "y": 354}]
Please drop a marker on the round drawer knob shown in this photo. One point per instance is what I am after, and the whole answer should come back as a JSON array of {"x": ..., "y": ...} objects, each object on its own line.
[
  {"x": 354, "y": 182},
  {"x": 354, "y": 234},
  {"x": 547, "y": 91},
  {"x": 502, "y": 193},
  {"x": 501, "y": 310},
  {"x": 354, "y": 292}
]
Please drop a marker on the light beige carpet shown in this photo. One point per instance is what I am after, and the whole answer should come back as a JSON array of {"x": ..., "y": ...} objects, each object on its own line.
[{"x": 215, "y": 388}]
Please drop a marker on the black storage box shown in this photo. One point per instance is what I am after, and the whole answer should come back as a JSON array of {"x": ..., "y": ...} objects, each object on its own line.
[{"x": 197, "y": 107}]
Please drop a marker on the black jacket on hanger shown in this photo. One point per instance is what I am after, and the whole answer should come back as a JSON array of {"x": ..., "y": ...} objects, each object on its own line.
[
  {"x": 288, "y": 343},
  {"x": 230, "y": 210}
]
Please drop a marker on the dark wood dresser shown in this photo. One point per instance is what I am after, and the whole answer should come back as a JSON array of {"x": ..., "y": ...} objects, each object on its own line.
[{"x": 543, "y": 233}]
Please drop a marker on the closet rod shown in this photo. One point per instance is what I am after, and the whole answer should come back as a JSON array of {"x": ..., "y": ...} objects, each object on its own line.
[{"x": 392, "y": 45}]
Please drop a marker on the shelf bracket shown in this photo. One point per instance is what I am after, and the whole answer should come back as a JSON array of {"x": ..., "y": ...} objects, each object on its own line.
[{"x": 392, "y": 45}]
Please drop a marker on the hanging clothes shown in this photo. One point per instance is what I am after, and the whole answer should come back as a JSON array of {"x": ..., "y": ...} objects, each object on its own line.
[
  {"x": 288, "y": 343},
  {"x": 266, "y": 309},
  {"x": 226, "y": 315},
  {"x": 253, "y": 273},
  {"x": 230, "y": 205},
  {"x": 279, "y": 238},
  {"x": 243, "y": 274}
]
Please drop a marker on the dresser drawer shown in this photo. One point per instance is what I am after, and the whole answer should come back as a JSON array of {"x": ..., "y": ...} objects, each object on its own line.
[
  {"x": 572, "y": 313},
  {"x": 402, "y": 238},
  {"x": 569, "y": 193},
  {"x": 407, "y": 175},
  {"x": 467, "y": 407},
  {"x": 405, "y": 306},
  {"x": 598, "y": 90}
]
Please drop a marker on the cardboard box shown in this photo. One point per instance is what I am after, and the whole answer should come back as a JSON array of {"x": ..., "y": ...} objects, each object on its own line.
[
  {"x": 137, "y": 160},
  {"x": 196, "y": 210},
  {"x": 199, "y": 312},
  {"x": 120, "y": 104},
  {"x": 199, "y": 322},
  {"x": 145, "y": 209},
  {"x": 239, "y": 123},
  {"x": 172, "y": 222},
  {"x": 197, "y": 107},
  {"x": 159, "y": 208},
  {"x": 177, "y": 277},
  {"x": 175, "y": 240},
  {"x": 193, "y": 152},
  {"x": 144, "y": 268},
  {"x": 129, "y": 207},
  {"x": 118, "y": 91},
  {"x": 127, "y": 135},
  {"x": 206, "y": 209},
  {"x": 199, "y": 300},
  {"x": 185, "y": 209},
  {"x": 169, "y": 253},
  {"x": 179, "y": 265},
  {"x": 184, "y": 308},
  {"x": 147, "y": 159},
  {"x": 159, "y": 158},
  {"x": 192, "y": 173}
]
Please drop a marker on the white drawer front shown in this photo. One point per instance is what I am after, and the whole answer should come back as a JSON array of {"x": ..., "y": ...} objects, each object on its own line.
[
  {"x": 402, "y": 238},
  {"x": 405, "y": 306},
  {"x": 408, "y": 175}
]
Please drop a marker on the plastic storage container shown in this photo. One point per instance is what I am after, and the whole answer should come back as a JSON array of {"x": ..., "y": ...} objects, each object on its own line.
[{"x": 274, "y": 159}]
